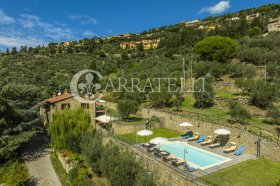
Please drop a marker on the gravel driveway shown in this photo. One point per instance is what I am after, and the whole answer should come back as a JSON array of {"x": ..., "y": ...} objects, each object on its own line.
[{"x": 38, "y": 162}]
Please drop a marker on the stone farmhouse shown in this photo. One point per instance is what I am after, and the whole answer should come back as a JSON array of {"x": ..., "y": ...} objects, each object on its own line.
[
  {"x": 274, "y": 25},
  {"x": 59, "y": 102}
]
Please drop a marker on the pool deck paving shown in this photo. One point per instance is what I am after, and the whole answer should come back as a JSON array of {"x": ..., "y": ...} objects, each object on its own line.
[
  {"x": 198, "y": 173},
  {"x": 219, "y": 151}
]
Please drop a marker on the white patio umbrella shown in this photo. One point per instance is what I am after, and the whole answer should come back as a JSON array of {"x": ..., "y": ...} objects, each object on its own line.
[
  {"x": 222, "y": 132},
  {"x": 144, "y": 133},
  {"x": 105, "y": 118},
  {"x": 158, "y": 140},
  {"x": 185, "y": 124}
]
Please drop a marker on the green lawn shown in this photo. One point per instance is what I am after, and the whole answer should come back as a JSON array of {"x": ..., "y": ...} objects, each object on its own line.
[
  {"x": 212, "y": 111},
  {"x": 223, "y": 94},
  {"x": 161, "y": 132},
  {"x": 220, "y": 113},
  {"x": 252, "y": 172},
  {"x": 132, "y": 120}
]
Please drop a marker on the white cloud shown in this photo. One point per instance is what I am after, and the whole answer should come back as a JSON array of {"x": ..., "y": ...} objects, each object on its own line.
[
  {"x": 15, "y": 37},
  {"x": 32, "y": 30},
  {"x": 58, "y": 31},
  {"x": 16, "y": 41},
  {"x": 4, "y": 19},
  {"x": 84, "y": 19},
  {"x": 217, "y": 9},
  {"x": 88, "y": 33}
]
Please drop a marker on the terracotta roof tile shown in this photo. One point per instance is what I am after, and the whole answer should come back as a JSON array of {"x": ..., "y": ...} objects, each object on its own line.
[{"x": 59, "y": 98}]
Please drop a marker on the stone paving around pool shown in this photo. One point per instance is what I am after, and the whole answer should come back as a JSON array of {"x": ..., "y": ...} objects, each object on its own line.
[{"x": 219, "y": 151}]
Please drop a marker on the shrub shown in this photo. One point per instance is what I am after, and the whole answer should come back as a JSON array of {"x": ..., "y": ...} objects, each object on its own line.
[
  {"x": 248, "y": 72},
  {"x": 236, "y": 70},
  {"x": 14, "y": 173},
  {"x": 91, "y": 150},
  {"x": 78, "y": 176},
  {"x": 254, "y": 31},
  {"x": 246, "y": 85}
]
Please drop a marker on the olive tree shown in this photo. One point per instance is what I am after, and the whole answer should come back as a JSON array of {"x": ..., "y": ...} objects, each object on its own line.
[
  {"x": 127, "y": 107},
  {"x": 238, "y": 113},
  {"x": 203, "y": 94}
]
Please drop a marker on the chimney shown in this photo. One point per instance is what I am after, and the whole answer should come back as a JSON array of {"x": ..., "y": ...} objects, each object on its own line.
[{"x": 54, "y": 94}]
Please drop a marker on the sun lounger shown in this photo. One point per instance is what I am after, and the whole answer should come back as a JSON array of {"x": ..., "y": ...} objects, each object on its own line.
[
  {"x": 231, "y": 148},
  {"x": 161, "y": 153},
  {"x": 208, "y": 141},
  {"x": 200, "y": 139},
  {"x": 153, "y": 149},
  {"x": 239, "y": 151},
  {"x": 195, "y": 137},
  {"x": 215, "y": 145},
  {"x": 189, "y": 168},
  {"x": 169, "y": 157},
  {"x": 164, "y": 153},
  {"x": 148, "y": 145},
  {"x": 187, "y": 135},
  {"x": 178, "y": 162}
]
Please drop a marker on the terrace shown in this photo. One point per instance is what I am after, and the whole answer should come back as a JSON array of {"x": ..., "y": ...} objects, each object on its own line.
[{"x": 173, "y": 136}]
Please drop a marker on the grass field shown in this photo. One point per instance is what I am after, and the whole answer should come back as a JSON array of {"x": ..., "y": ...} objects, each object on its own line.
[
  {"x": 213, "y": 111},
  {"x": 260, "y": 172},
  {"x": 132, "y": 138},
  {"x": 225, "y": 94},
  {"x": 221, "y": 113}
]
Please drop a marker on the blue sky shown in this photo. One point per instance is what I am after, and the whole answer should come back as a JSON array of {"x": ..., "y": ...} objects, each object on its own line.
[{"x": 34, "y": 22}]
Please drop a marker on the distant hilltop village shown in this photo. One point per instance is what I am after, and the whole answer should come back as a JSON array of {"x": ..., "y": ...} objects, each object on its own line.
[
  {"x": 273, "y": 25},
  {"x": 147, "y": 44},
  {"x": 265, "y": 18}
]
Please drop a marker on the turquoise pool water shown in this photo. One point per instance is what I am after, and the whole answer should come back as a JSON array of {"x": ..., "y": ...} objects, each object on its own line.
[{"x": 196, "y": 156}]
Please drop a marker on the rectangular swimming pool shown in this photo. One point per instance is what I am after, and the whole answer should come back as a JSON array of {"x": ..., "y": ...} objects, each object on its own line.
[{"x": 195, "y": 157}]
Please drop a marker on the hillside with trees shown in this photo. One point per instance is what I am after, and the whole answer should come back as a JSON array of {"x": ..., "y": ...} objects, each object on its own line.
[{"x": 231, "y": 58}]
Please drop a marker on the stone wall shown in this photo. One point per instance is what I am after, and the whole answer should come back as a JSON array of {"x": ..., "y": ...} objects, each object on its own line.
[
  {"x": 63, "y": 160},
  {"x": 108, "y": 105},
  {"x": 270, "y": 150},
  {"x": 120, "y": 129}
]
